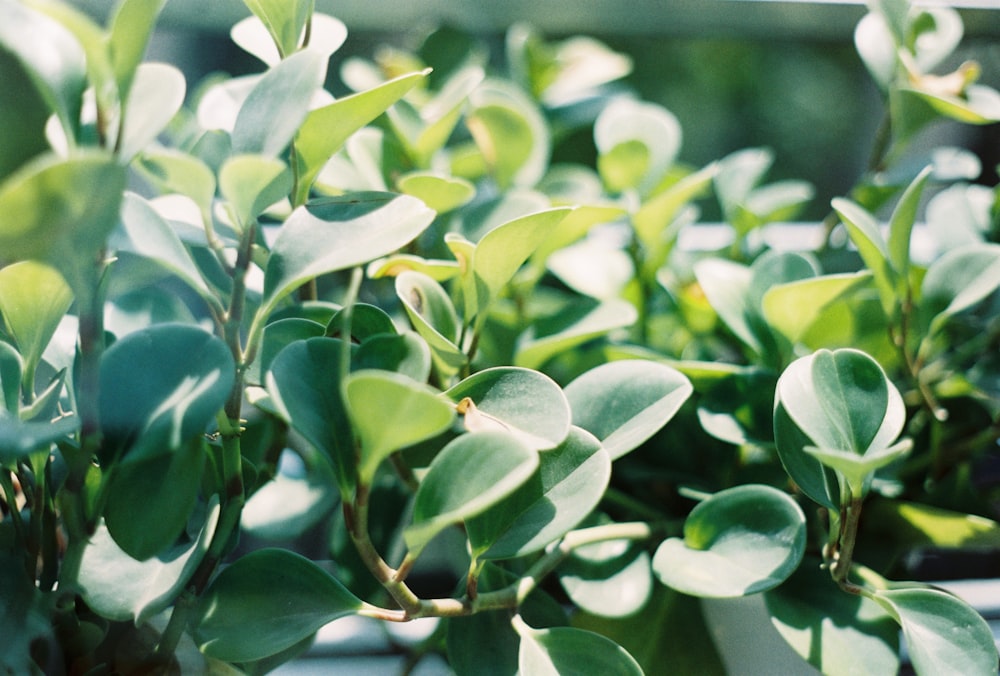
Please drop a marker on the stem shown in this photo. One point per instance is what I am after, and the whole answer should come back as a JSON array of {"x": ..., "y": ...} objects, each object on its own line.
[{"x": 844, "y": 554}]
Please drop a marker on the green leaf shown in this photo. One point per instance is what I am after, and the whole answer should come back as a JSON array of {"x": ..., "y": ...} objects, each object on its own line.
[
  {"x": 434, "y": 318},
  {"x": 33, "y": 299},
  {"x": 740, "y": 541},
  {"x": 630, "y": 122},
  {"x": 511, "y": 133},
  {"x": 901, "y": 227},
  {"x": 157, "y": 95},
  {"x": 534, "y": 351},
  {"x": 524, "y": 403},
  {"x": 726, "y": 284},
  {"x": 978, "y": 105},
  {"x": 25, "y": 619},
  {"x": 23, "y": 115},
  {"x": 325, "y": 129},
  {"x": 147, "y": 234},
  {"x": 857, "y": 469},
  {"x": 52, "y": 211},
  {"x": 659, "y": 211},
  {"x": 837, "y": 633},
  {"x": 469, "y": 475},
  {"x": 337, "y": 233},
  {"x": 389, "y": 412},
  {"x": 285, "y": 20},
  {"x": 266, "y": 602},
  {"x": 11, "y": 373},
  {"x": 161, "y": 387},
  {"x": 913, "y": 525},
  {"x": 326, "y": 34},
  {"x": 54, "y": 61},
  {"x": 171, "y": 171},
  {"x": 959, "y": 279},
  {"x": 287, "y": 506},
  {"x": 610, "y": 579},
  {"x": 150, "y": 500},
  {"x": 624, "y": 403},
  {"x": 130, "y": 30},
  {"x": 569, "y": 484},
  {"x": 566, "y": 650},
  {"x": 120, "y": 588},
  {"x": 960, "y": 215},
  {"x": 943, "y": 634},
  {"x": 278, "y": 104},
  {"x": 795, "y": 307},
  {"x": 440, "y": 193},
  {"x": 864, "y": 232},
  {"x": 19, "y": 439},
  {"x": 406, "y": 354},
  {"x": 252, "y": 183},
  {"x": 304, "y": 384}
]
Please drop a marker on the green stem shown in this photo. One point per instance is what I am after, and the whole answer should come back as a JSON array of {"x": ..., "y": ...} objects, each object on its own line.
[{"x": 840, "y": 568}]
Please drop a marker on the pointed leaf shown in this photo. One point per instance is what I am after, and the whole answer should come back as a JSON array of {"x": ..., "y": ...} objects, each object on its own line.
[
  {"x": 901, "y": 225},
  {"x": 725, "y": 284},
  {"x": 524, "y": 403},
  {"x": 278, "y": 104},
  {"x": 864, "y": 232},
  {"x": 623, "y": 403},
  {"x": 160, "y": 387},
  {"x": 390, "y": 412},
  {"x": 943, "y": 634},
  {"x": 569, "y": 484},
  {"x": 468, "y": 476},
  {"x": 534, "y": 352},
  {"x": 326, "y": 129},
  {"x": 131, "y": 28},
  {"x": 19, "y": 439},
  {"x": 338, "y": 233},
  {"x": 740, "y": 541},
  {"x": 433, "y": 317},
  {"x": 266, "y": 602},
  {"x": 961, "y": 278},
  {"x": 285, "y": 20},
  {"x": 857, "y": 469},
  {"x": 566, "y": 650}
]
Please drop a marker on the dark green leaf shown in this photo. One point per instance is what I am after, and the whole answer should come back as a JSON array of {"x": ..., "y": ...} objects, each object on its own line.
[
  {"x": 610, "y": 579},
  {"x": 567, "y": 650},
  {"x": 24, "y": 618},
  {"x": 266, "y": 602}
]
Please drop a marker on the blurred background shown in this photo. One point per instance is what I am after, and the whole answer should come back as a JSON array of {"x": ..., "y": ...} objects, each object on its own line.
[{"x": 782, "y": 74}]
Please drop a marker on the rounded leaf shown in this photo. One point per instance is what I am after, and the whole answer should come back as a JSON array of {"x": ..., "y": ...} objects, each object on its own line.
[
  {"x": 566, "y": 650},
  {"x": 610, "y": 579},
  {"x": 524, "y": 403},
  {"x": 157, "y": 94},
  {"x": 653, "y": 127},
  {"x": 33, "y": 299},
  {"x": 468, "y": 476},
  {"x": 624, "y": 403},
  {"x": 266, "y": 602},
  {"x": 740, "y": 541}
]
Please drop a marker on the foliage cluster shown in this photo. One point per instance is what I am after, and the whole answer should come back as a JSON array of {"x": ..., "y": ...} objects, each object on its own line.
[{"x": 253, "y": 308}]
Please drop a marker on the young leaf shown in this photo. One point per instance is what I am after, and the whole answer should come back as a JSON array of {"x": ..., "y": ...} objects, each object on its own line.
[
  {"x": 337, "y": 233},
  {"x": 389, "y": 412},
  {"x": 160, "y": 387},
  {"x": 943, "y": 634},
  {"x": 171, "y": 171},
  {"x": 960, "y": 279},
  {"x": 158, "y": 93},
  {"x": 534, "y": 351},
  {"x": 468, "y": 476},
  {"x": 252, "y": 183},
  {"x": 131, "y": 28},
  {"x": 566, "y": 650},
  {"x": 278, "y": 103},
  {"x": 33, "y": 299},
  {"x": 326, "y": 34},
  {"x": 570, "y": 482},
  {"x": 526, "y": 404},
  {"x": 901, "y": 227},
  {"x": 654, "y": 128},
  {"x": 740, "y": 541},
  {"x": 19, "y": 439},
  {"x": 726, "y": 285},
  {"x": 433, "y": 317},
  {"x": 794, "y": 308},
  {"x": 623, "y": 403},
  {"x": 864, "y": 232},
  {"x": 440, "y": 193},
  {"x": 285, "y": 20},
  {"x": 325, "y": 129},
  {"x": 266, "y": 602},
  {"x": 304, "y": 384},
  {"x": 510, "y": 132}
]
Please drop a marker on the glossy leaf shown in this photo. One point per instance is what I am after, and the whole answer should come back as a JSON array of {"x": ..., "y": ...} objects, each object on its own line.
[
  {"x": 325, "y": 129},
  {"x": 285, "y": 21},
  {"x": 171, "y": 171},
  {"x": 333, "y": 234},
  {"x": 157, "y": 94},
  {"x": 19, "y": 439},
  {"x": 865, "y": 234},
  {"x": 33, "y": 299},
  {"x": 610, "y": 579},
  {"x": 11, "y": 373},
  {"x": 567, "y": 650},
  {"x": 624, "y": 403},
  {"x": 120, "y": 588},
  {"x": 287, "y": 506},
  {"x": 150, "y": 500},
  {"x": 469, "y": 475},
  {"x": 570, "y": 482},
  {"x": 510, "y": 132},
  {"x": 52, "y": 55},
  {"x": 326, "y": 34},
  {"x": 266, "y": 602},
  {"x": 593, "y": 268},
  {"x": 960, "y": 215},
  {"x": 901, "y": 225},
  {"x": 961, "y": 278},
  {"x": 857, "y": 469},
  {"x": 160, "y": 387},
  {"x": 979, "y": 104},
  {"x": 837, "y": 633},
  {"x": 252, "y": 183},
  {"x": 534, "y": 351},
  {"x": 278, "y": 104},
  {"x": 659, "y": 211},
  {"x": 524, "y": 403},
  {"x": 389, "y": 412},
  {"x": 913, "y": 524},
  {"x": 943, "y": 634},
  {"x": 52, "y": 211},
  {"x": 433, "y": 317},
  {"x": 145, "y": 233},
  {"x": 406, "y": 354},
  {"x": 654, "y": 127},
  {"x": 304, "y": 384},
  {"x": 725, "y": 284},
  {"x": 393, "y": 266},
  {"x": 841, "y": 401},
  {"x": 740, "y": 541}
]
